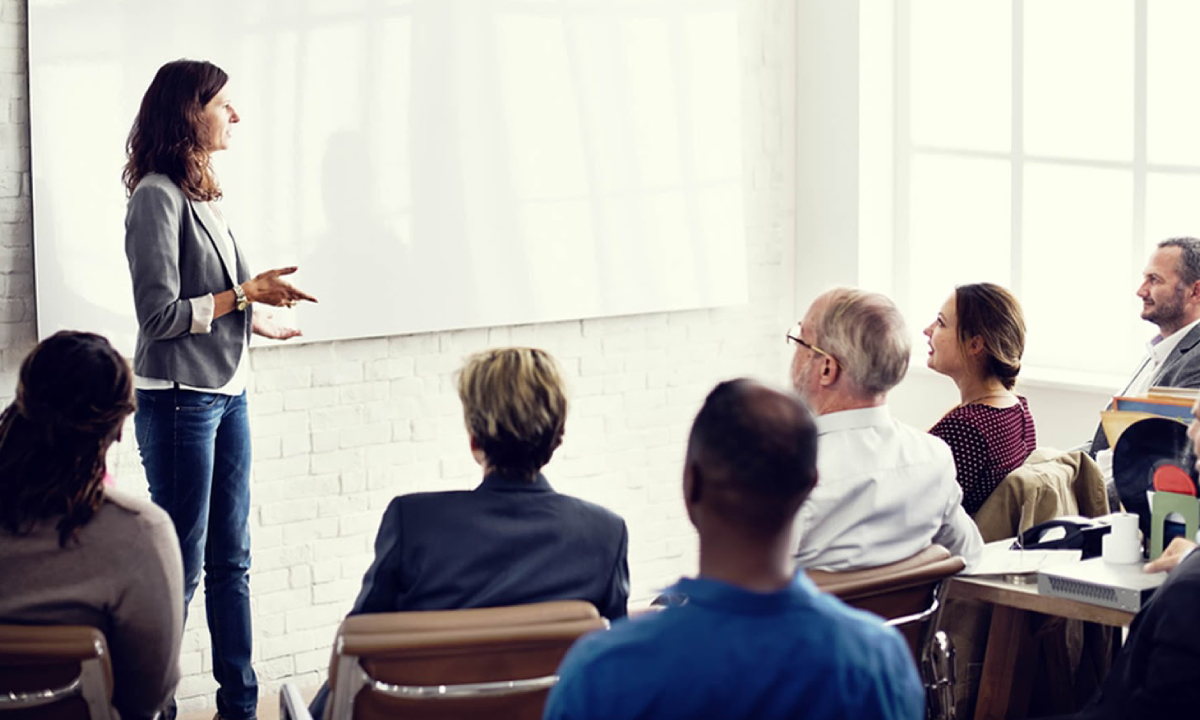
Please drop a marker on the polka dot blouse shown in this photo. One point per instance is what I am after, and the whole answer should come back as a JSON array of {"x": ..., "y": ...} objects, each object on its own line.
[{"x": 988, "y": 443}]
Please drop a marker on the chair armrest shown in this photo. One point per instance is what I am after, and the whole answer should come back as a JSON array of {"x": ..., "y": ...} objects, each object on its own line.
[
  {"x": 831, "y": 581},
  {"x": 291, "y": 704}
]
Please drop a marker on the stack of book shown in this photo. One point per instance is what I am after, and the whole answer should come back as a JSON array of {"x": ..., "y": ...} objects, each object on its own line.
[{"x": 1160, "y": 401}]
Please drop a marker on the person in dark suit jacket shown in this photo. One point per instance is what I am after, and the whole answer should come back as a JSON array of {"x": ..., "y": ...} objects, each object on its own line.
[
  {"x": 1157, "y": 674},
  {"x": 512, "y": 540},
  {"x": 1170, "y": 293}
]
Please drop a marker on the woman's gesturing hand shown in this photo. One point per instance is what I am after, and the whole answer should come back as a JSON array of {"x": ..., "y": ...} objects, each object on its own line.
[
  {"x": 266, "y": 325},
  {"x": 269, "y": 288}
]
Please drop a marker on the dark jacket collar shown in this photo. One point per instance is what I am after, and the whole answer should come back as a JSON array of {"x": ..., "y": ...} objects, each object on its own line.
[
  {"x": 1188, "y": 342},
  {"x": 499, "y": 481}
]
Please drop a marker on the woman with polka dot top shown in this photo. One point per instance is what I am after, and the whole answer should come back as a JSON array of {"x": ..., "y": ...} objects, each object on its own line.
[{"x": 977, "y": 340}]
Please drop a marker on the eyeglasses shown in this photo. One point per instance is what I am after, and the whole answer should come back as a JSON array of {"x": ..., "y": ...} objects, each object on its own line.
[{"x": 793, "y": 335}]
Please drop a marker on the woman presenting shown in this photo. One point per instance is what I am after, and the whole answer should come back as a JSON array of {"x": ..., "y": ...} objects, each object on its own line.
[{"x": 194, "y": 299}]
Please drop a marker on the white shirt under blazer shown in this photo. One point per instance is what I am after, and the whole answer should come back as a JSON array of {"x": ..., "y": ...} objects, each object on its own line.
[{"x": 885, "y": 491}]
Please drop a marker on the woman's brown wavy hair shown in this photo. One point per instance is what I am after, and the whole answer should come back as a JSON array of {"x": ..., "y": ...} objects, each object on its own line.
[
  {"x": 994, "y": 314},
  {"x": 73, "y": 396},
  {"x": 167, "y": 136}
]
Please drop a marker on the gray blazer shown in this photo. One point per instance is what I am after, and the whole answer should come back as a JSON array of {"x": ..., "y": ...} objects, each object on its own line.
[
  {"x": 174, "y": 255},
  {"x": 1180, "y": 369}
]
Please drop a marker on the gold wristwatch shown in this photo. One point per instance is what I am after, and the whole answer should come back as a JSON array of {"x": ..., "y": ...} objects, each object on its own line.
[{"x": 241, "y": 302}]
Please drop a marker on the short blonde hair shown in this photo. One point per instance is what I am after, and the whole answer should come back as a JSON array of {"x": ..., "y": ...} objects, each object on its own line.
[{"x": 515, "y": 407}]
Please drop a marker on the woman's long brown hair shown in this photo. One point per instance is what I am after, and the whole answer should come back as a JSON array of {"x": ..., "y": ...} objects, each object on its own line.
[
  {"x": 167, "y": 136},
  {"x": 73, "y": 396}
]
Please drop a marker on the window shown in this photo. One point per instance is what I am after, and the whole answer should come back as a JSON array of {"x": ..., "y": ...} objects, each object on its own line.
[{"x": 1046, "y": 146}]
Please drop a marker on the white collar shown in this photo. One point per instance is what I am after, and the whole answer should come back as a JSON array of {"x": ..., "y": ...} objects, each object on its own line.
[
  {"x": 1161, "y": 347},
  {"x": 853, "y": 419}
]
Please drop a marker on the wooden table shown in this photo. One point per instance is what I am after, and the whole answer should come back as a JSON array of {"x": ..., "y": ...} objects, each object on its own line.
[{"x": 1010, "y": 646}]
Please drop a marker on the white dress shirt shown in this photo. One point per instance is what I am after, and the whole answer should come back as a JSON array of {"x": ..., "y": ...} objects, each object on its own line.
[
  {"x": 1157, "y": 351},
  {"x": 885, "y": 491}
]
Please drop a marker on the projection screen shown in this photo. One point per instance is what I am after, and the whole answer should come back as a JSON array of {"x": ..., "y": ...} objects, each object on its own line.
[{"x": 429, "y": 164}]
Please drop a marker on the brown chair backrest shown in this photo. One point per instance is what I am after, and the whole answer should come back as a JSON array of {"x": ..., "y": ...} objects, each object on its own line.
[
  {"x": 54, "y": 672},
  {"x": 899, "y": 590},
  {"x": 428, "y": 657}
]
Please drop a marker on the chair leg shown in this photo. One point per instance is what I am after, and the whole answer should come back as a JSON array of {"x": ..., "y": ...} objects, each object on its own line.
[
  {"x": 936, "y": 663},
  {"x": 938, "y": 675},
  {"x": 291, "y": 704},
  {"x": 95, "y": 689}
]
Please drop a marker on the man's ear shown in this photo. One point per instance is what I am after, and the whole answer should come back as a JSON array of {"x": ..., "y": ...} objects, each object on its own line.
[
  {"x": 693, "y": 489},
  {"x": 1194, "y": 292},
  {"x": 830, "y": 370},
  {"x": 477, "y": 451},
  {"x": 693, "y": 484}
]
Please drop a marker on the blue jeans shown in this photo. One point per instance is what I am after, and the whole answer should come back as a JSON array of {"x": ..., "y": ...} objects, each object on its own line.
[{"x": 195, "y": 447}]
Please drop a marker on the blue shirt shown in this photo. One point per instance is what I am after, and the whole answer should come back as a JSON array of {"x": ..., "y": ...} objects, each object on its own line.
[{"x": 733, "y": 653}]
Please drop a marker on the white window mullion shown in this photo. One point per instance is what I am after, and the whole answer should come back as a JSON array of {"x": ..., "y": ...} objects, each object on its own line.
[
  {"x": 902, "y": 142},
  {"x": 1140, "y": 77},
  {"x": 1018, "y": 144}
]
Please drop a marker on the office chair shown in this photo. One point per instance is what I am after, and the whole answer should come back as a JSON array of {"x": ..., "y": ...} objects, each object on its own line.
[
  {"x": 486, "y": 662},
  {"x": 908, "y": 596},
  {"x": 54, "y": 672}
]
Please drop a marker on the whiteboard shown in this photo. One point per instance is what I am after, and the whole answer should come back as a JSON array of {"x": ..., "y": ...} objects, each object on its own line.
[{"x": 429, "y": 164}]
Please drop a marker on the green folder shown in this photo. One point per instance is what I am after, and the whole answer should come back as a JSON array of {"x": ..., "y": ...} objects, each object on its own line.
[{"x": 1166, "y": 503}]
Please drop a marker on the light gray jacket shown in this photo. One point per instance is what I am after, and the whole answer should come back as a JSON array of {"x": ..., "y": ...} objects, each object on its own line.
[{"x": 174, "y": 254}]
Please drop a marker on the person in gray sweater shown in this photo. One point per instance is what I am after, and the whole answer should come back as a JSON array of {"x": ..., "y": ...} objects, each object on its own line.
[{"x": 72, "y": 551}]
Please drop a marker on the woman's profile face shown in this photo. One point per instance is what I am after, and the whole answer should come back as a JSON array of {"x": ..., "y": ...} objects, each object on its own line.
[
  {"x": 219, "y": 119},
  {"x": 945, "y": 352}
]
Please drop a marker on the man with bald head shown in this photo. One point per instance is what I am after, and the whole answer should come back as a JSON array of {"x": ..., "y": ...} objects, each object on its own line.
[
  {"x": 752, "y": 639},
  {"x": 887, "y": 490}
]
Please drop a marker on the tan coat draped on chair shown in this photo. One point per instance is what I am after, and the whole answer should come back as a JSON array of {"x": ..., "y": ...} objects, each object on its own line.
[{"x": 1050, "y": 484}]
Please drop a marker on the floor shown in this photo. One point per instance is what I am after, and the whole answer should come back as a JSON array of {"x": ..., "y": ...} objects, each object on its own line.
[{"x": 268, "y": 707}]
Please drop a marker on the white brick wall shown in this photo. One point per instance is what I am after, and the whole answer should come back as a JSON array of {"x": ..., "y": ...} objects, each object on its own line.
[{"x": 340, "y": 428}]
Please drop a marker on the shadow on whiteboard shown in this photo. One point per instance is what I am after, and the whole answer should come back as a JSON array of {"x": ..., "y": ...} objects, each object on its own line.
[{"x": 429, "y": 165}]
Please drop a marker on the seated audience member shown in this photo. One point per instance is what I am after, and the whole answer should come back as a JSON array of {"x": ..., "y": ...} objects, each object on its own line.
[
  {"x": 1157, "y": 672},
  {"x": 977, "y": 340},
  {"x": 754, "y": 639},
  {"x": 1170, "y": 294},
  {"x": 73, "y": 552},
  {"x": 512, "y": 540},
  {"x": 887, "y": 490}
]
